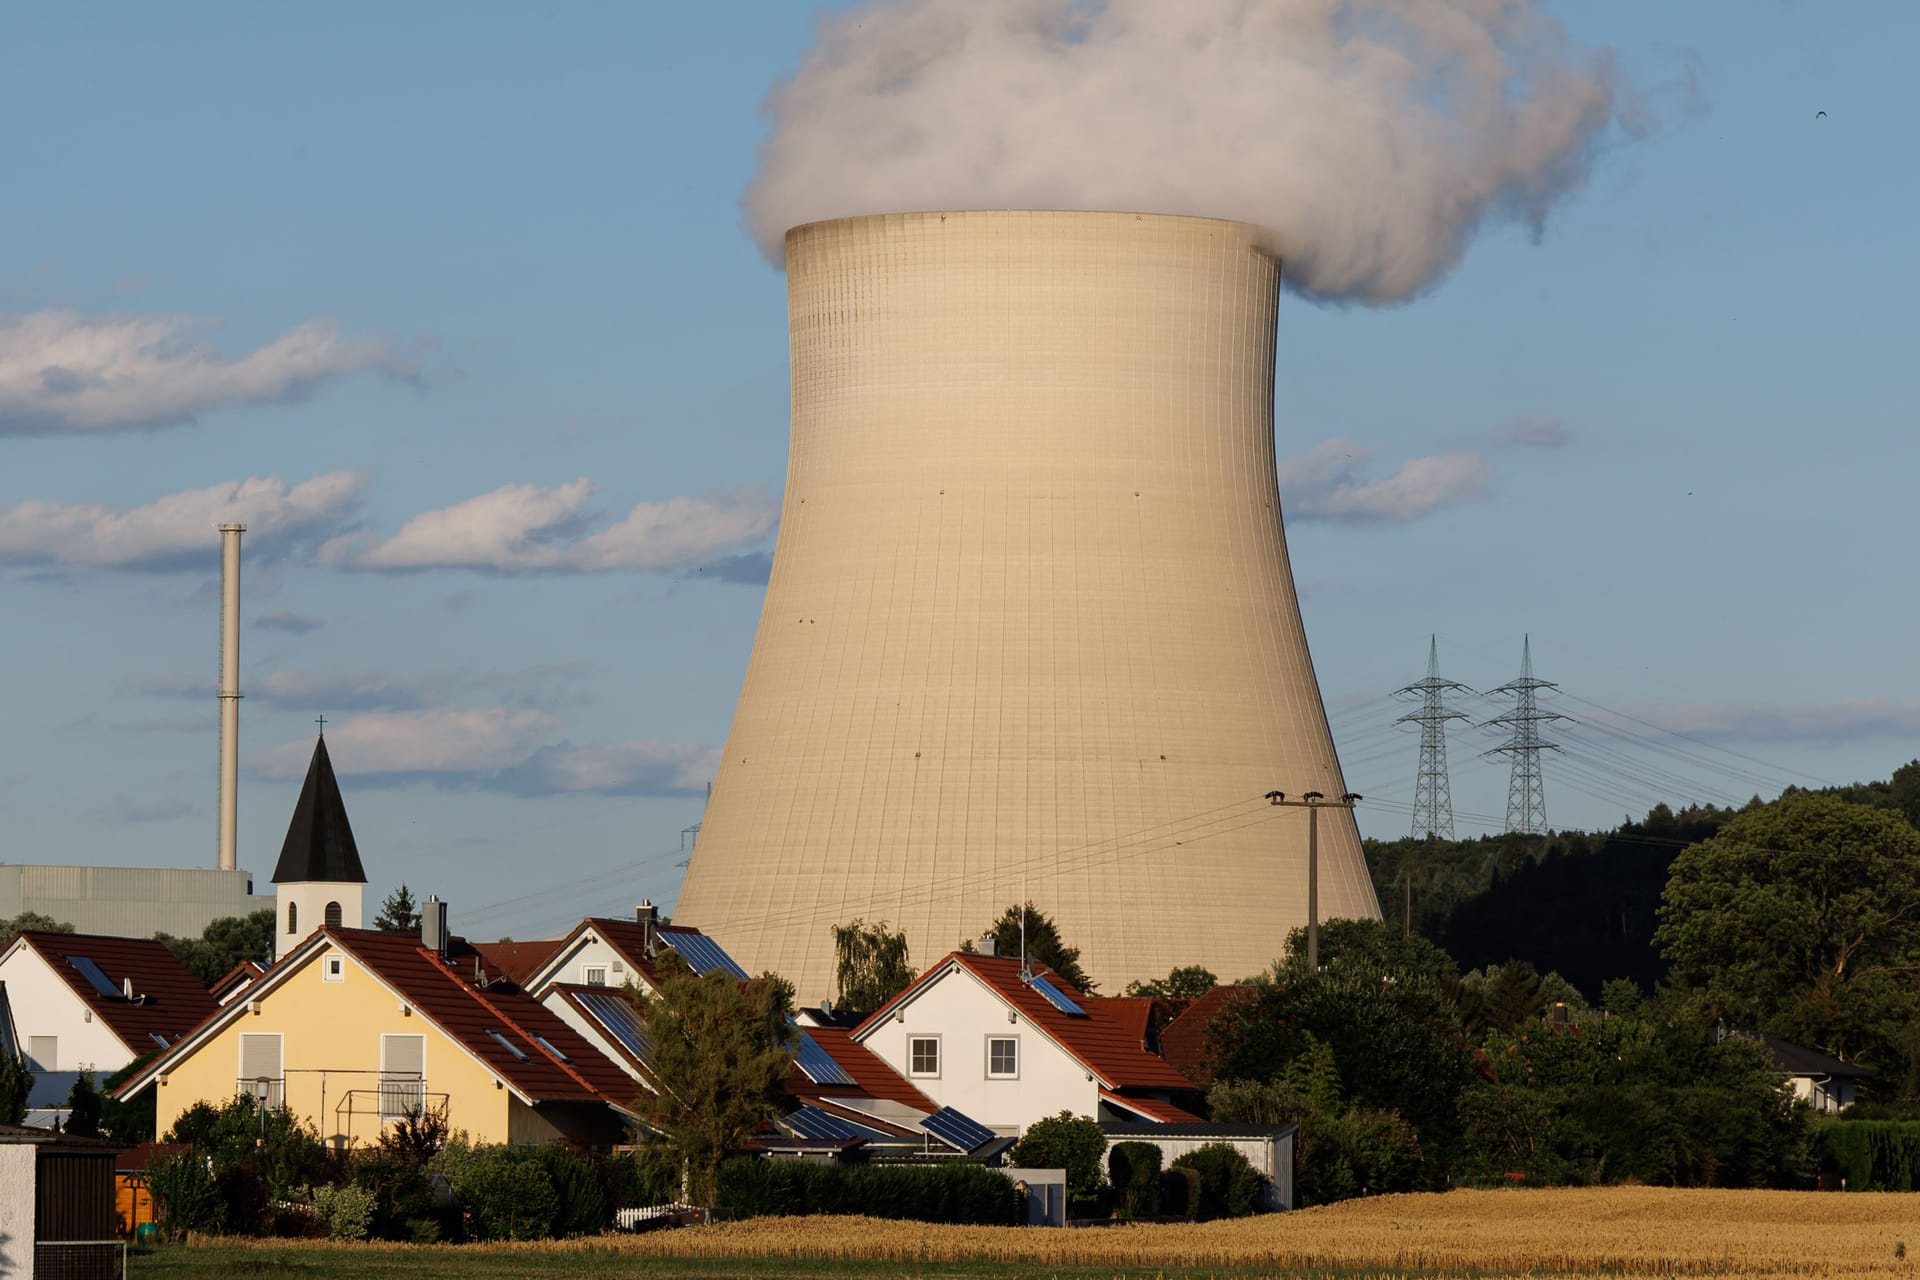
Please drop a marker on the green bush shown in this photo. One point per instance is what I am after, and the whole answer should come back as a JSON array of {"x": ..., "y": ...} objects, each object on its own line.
[
  {"x": 1230, "y": 1187},
  {"x": 346, "y": 1211},
  {"x": 583, "y": 1209},
  {"x": 1065, "y": 1141},
  {"x": 1180, "y": 1193},
  {"x": 509, "y": 1196},
  {"x": 1134, "y": 1170},
  {"x": 1871, "y": 1155},
  {"x": 184, "y": 1197},
  {"x": 960, "y": 1193},
  {"x": 643, "y": 1178}
]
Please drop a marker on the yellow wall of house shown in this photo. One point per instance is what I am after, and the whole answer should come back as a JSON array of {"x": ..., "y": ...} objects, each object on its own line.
[{"x": 330, "y": 1043}]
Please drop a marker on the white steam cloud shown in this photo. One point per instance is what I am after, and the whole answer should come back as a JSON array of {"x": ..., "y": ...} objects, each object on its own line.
[{"x": 1371, "y": 138}]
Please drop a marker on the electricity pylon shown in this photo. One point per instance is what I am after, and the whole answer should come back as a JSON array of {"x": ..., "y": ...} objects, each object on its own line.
[
  {"x": 1526, "y": 793},
  {"x": 1432, "y": 794}
]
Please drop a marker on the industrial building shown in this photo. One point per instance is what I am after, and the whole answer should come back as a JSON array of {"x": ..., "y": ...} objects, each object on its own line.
[
  {"x": 1031, "y": 631},
  {"x": 129, "y": 902}
]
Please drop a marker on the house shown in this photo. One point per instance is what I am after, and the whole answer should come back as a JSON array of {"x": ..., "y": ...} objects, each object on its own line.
[
  {"x": 82, "y": 1002},
  {"x": 1186, "y": 1042},
  {"x": 1008, "y": 1045},
  {"x": 605, "y": 952},
  {"x": 236, "y": 980},
  {"x": 516, "y": 961},
  {"x": 1820, "y": 1080},
  {"x": 56, "y": 1205},
  {"x": 354, "y": 1029}
]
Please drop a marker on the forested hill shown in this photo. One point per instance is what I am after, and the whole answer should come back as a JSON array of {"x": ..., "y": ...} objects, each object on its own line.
[{"x": 1582, "y": 904}]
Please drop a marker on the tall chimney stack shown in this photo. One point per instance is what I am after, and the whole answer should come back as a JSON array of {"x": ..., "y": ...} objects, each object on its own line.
[{"x": 229, "y": 693}]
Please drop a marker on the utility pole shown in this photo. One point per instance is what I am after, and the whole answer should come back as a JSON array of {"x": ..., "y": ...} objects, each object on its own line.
[
  {"x": 1526, "y": 791},
  {"x": 1432, "y": 795},
  {"x": 1313, "y": 802}
]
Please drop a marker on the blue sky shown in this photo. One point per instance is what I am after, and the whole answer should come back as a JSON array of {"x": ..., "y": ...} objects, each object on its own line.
[{"x": 353, "y": 266}]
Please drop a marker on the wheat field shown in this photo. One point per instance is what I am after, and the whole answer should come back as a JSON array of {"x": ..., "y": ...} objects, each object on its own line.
[
  {"x": 1613, "y": 1231},
  {"x": 1633, "y": 1231}
]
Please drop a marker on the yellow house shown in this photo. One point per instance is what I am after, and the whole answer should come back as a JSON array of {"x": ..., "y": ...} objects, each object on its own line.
[{"x": 353, "y": 1029}]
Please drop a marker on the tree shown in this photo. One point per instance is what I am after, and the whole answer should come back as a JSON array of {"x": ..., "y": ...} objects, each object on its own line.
[
  {"x": 223, "y": 944},
  {"x": 16, "y": 1082},
  {"x": 721, "y": 1051},
  {"x": 1043, "y": 944},
  {"x": 1802, "y": 918},
  {"x": 30, "y": 920},
  {"x": 1187, "y": 982},
  {"x": 399, "y": 913},
  {"x": 870, "y": 964},
  {"x": 1066, "y": 1141},
  {"x": 83, "y": 1107}
]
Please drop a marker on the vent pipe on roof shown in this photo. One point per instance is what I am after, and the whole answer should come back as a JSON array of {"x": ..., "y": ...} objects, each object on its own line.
[
  {"x": 433, "y": 926},
  {"x": 649, "y": 917},
  {"x": 229, "y": 694}
]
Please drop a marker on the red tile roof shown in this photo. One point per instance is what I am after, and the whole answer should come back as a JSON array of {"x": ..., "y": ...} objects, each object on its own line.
[
  {"x": 872, "y": 1077},
  {"x": 1106, "y": 1041},
  {"x": 236, "y": 978},
  {"x": 1184, "y": 1040},
  {"x": 1150, "y": 1108},
  {"x": 167, "y": 1000},
  {"x": 516, "y": 961},
  {"x": 444, "y": 992}
]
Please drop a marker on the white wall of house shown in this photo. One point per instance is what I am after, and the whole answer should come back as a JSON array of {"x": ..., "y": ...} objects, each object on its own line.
[
  {"x": 1825, "y": 1094},
  {"x": 17, "y": 1188},
  {"x": 581, "y": 960},
  {"x": 46, "y": 1008},
  {"x": 964, "y": 1013}
]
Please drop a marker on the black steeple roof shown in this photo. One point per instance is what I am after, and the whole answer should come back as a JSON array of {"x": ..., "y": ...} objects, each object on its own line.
[{"x": 319, "y": 840}]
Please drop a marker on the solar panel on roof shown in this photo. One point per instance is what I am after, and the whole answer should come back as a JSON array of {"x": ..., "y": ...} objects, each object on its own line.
[
  {"x": 92, "y": 973},
  {"x": 1057, "y": 998},
  {"x": 818, "y": 1063},
  {"x": 702, "y": 953},
  {"x": 961, "y": 1132},
  {"x": 815, "y": 1122},
  {"x": 617, "y": 1016}
]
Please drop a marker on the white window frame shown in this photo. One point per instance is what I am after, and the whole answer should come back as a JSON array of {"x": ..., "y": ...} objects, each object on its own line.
[
  {"x": 998, "y": 1038},
  {"x": 588, "y": 970},
  {"x": 245, "y": 1082},
  {"x": 333, "y": 967},
  {"x": 415, "y": 1091},
  {"x": 939, "y": 1056}
]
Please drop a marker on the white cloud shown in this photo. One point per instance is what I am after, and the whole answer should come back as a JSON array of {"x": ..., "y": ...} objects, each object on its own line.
[
  {"x": 64, "y": 373},
  {"x": 1534, "y": 431},
  {"x": 178, "y": 531},
  {"x": 493, "y": 749},
  {"x": 1328, "y": 482},
  {"x": 344, "y": 690},
  {"x": 443, "y": 742},
  {"x": 1850, "y": 719},
  {"x": 124, "y": 808},
  {"x": 523, "y": 528}
]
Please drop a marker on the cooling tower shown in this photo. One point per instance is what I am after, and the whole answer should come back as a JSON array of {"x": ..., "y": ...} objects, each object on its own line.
[{"x": 1031, "y": 630}]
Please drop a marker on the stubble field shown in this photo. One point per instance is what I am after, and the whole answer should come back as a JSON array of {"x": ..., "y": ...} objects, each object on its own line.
[{"x": 1616, "y": 1231}]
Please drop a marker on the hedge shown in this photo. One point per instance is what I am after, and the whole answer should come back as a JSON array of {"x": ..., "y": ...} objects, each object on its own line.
[
  {"x": 1133, "y": 1168},
  {"x": 1872, "y": 1155},
  {"x": 1230, "y": 1187},
  {"x": 961, "y": 1193}
]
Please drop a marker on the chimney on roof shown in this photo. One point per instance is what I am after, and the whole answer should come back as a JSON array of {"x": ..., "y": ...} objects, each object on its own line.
[
  {"x": 988, "y": 945},
  {"x": 649, "y": 917},
  {"x": 433, "y": 926}
]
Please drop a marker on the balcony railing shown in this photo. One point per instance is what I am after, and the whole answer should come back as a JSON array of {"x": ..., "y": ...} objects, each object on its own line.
[{"x": 270, "y": 1091}]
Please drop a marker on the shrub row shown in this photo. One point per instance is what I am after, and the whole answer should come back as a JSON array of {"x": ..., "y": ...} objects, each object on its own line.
[
  {"x": 1872, "y": 1155},
  {"x": 959, "y": 1193}
]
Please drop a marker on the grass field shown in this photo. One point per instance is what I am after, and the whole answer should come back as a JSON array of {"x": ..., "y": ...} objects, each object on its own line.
[{"x": 1616, "y": 1231}]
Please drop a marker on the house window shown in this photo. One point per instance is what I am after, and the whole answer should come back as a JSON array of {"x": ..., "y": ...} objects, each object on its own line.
[
  {"x": 595, "y": 975},
  {"x": 260, "y": 1076},
  {"x": 403, "y": 1075},
  {"x": 1003, "y": 1058},
  {"x": 333, "y": 915},
  {"x": 923, "y": 1056},
  {"x": 336, "y": 969},
  {"x": 43, "y": 1053},
  {"x": 293, "y": 916}
]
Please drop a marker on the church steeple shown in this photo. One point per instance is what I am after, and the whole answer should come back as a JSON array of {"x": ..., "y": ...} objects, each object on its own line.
[
  {"x": 319, "y": 844},
  {"x": 318, "y": 881}
]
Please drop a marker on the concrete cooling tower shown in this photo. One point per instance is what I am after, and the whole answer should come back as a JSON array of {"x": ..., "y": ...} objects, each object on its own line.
[{"x": 1031, "y": 630}]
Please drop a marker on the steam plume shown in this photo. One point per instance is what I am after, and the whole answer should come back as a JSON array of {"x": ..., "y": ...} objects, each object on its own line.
[{"x": 1371, "y": 138}]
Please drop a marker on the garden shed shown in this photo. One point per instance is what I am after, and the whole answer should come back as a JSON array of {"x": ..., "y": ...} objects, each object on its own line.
[
  {"x": 57, "y": 1206},
  {"x": 1267, "y": 1147}
]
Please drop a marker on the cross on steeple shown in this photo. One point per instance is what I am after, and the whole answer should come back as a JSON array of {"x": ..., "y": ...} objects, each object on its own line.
[{"x": 322, "y": 722}]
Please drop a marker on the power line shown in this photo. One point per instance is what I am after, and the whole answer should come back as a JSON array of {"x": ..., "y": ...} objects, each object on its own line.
[
  {"x": 1432, "y": 794},
  {"x": 1526, "y": 790}
]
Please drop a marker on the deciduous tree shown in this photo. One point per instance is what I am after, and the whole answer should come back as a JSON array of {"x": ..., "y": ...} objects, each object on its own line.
[
  {"x": 871, "y": 964},
  {"x": 1186, "y": 982}
]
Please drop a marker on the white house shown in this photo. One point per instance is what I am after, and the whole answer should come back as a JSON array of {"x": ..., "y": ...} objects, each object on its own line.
[
  {"x": 1820, "y": 1080},
  {"x": 1007, "y": 1048},
  {"x": 82, "y": 1002}
]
